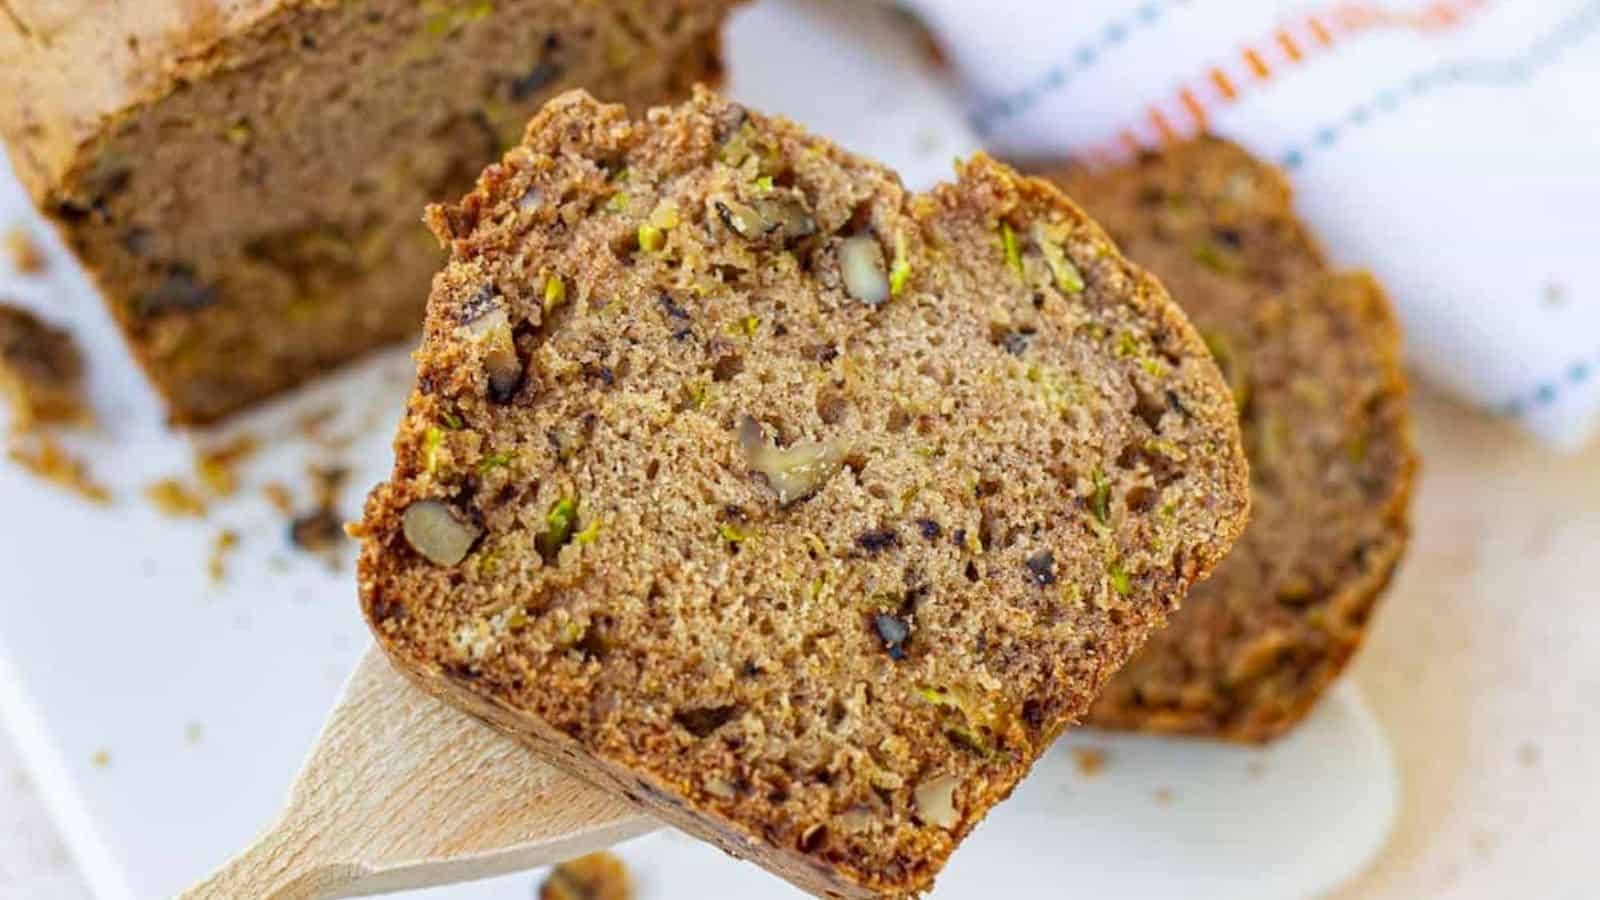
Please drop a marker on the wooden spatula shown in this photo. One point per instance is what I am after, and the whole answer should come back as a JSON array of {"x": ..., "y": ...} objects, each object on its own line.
[{"x": 402, "y": 791}]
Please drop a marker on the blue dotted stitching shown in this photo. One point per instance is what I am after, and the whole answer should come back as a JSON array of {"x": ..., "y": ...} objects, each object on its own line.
[
  {"x": 1545, "y": 393},
  {"x": 1116, "y": 34},
  {"x": 1542, "y": 53}
]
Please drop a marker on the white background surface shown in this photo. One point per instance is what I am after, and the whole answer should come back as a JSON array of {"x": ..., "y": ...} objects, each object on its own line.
[{"x": 157, "y": 653}]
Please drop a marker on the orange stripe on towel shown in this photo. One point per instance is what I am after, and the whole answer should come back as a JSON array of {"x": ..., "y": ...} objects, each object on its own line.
[
  {"x": 1197, "y": 112},
  {"x": 1257, "y": 64},
  {"x": 1163, "y": 127},
  {"x": 1320, "y": 31},
  {"x": 1162, "y": 122},
  {"x": 1224, "y": 85},
  {"x": 1290, "y": 48}
]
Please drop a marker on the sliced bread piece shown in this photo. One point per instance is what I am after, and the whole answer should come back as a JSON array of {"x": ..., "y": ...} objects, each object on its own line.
[
  {"x": 802, "y": 510},
  {"x": 1313, "y": 356}
]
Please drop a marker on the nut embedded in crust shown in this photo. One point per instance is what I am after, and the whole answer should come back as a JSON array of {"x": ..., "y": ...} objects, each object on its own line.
[
  {"x": 783, "y": 218},
  {"x": 490, "y": 328},
  {"x": 861, "y": 265},
  {"x": 796, "y": 472},
  {"x": 936, "y": 802},
  {"x": 434, "y": 530}
]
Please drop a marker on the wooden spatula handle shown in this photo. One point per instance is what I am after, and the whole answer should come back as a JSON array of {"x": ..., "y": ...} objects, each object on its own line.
[
  {"x": 403, "y": 792},
  {"x": 281, "y": 864}
]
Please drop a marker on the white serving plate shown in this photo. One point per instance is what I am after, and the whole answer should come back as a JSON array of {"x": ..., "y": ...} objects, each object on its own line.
[{"x": 205, "y": 698}]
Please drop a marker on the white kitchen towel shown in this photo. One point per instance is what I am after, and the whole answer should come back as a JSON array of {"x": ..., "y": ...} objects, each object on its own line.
[{"x": 1452, "y": 146}]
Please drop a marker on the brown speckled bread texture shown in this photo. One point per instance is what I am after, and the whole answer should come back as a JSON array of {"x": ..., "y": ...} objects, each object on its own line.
[
  {"x": 1313, "y": 356},
  {"x": 802, "y": 510},
  {"x": 244, "y": 178}
]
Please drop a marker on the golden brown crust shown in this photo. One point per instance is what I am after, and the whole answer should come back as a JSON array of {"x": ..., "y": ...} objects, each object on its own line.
[
  {"x": 803, "y": 510},
  {"x": 247, "y": 204},
  {"x": 1314, "y": 357}
]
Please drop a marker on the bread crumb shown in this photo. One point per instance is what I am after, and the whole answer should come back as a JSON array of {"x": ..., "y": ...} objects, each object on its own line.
[
  {"x": 1091, "y": 760},
  {"x": 277, "y": 494},
  {"x": 45, "y": 458},
  {"x": 598, "y": 876},
  {"x": 1164, "y": 796},
  {"x": 175, "y": 499},
  {"x": 41, "y": 375},
  {"x": 101, "y": 759},
  {"x": 217, "y": 467},
  {"x": 225, "y": 542},
  {"x": 24, "y": 254},
  {"x": 320, "y": 531},
  {"x": 326, "y": 483},
  {"x": 41, "y": 372}
]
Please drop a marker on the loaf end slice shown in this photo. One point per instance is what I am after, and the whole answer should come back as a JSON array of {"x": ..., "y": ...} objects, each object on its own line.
[
  {"x": 244, "y": 179},
  {"x": 1313, "y": 357},
  {"x": 802, "y": 510}
]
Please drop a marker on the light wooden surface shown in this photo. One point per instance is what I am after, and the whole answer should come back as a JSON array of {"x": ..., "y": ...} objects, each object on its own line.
[
  {"x": 1481, "y": 667},
  {"x": 402, "y": 791}
]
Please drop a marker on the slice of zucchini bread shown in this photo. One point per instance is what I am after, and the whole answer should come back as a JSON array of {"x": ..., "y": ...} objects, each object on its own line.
[
  {"x": 244, "y": 178},
  {"x": 802, "y": 510},
  {"x": 1313, "y": 357}
]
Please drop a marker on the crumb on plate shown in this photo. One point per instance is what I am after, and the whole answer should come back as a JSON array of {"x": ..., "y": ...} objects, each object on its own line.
[
  {"x": 222, "y": 545},
  {"x": 41, "y": 372},
  {"x": 175, "y": 499},
  {"x": 598, "y": 876},
  {"x": 1091, "y": 760},
  {"x": 23, "y": 251},
  {"x": 217, "y": 467},
  {"x": 45, "y": 458},
  {"x": 278, "y": 494}
]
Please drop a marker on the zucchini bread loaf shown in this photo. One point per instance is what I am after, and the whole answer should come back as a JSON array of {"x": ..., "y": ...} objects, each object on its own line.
[
  {"x": 1313, "y": 357},
  {"x": 801, "y": 510},
  {"x": 244, "y": 177}
]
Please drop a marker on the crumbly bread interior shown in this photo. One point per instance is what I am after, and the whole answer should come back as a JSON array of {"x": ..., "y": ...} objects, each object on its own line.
[
  {"x": 257, "y": 224},
  {"x": 803, "y": 510},
  {"x": 1313, "y": 358}
]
